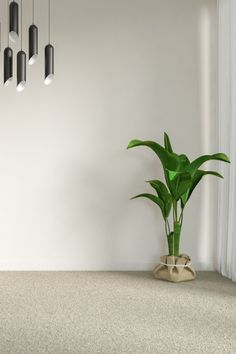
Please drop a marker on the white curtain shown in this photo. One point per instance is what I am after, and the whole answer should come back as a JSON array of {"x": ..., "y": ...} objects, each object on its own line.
[{"x": 226, "y": 238}]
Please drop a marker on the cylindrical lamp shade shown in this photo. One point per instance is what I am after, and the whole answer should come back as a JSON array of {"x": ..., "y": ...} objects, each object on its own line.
[
  {"x": 8, "y": 56},
  {"x": 33, "y": 44},
  {"x": 21, "y": 70},
  {"x": 49, "y": 64},
  {"x": 13, "y": 21}
]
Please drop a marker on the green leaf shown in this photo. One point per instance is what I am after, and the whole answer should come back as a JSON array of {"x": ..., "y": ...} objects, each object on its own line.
[
  {"x": 178, "y": 170},
  {"x": 184, "y": 161},
  {"x": 168, "y": 160},
  {"x": 171, "y": 174},
  {"x": 164, "y": 194},
  {"x": 180, "y": 184},
  {"x": 154, "y": 199},
  {"x": 195, "y": 180},
  {"x": 167, "y": 143},
  {"x": 194, "y": 165},
  {"x": 160, "y": 188}
]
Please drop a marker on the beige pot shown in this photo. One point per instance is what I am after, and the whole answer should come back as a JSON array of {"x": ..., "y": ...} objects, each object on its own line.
[{"x": 175, "y": 269}]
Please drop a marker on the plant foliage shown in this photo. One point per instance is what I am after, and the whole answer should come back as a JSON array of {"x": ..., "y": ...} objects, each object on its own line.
[{"x": 181, "y": 177}]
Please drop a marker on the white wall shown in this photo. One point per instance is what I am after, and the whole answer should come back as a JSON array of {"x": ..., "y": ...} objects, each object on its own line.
[{"x": 124, "y": 69}]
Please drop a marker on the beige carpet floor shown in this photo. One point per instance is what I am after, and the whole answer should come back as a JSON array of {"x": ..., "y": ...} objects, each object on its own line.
[{"x": 115, "y": 312}]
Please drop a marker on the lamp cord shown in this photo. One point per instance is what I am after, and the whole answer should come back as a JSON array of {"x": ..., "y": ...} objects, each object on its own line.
[
  {"x": 49, "y": 20},
  {"x": 21, "y": 22},
  {"x": 8, "y": 15},
  {"x": 33, "y": 11}
]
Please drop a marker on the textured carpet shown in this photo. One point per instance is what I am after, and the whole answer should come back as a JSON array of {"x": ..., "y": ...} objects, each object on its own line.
[{"x": 115, "y": 312}]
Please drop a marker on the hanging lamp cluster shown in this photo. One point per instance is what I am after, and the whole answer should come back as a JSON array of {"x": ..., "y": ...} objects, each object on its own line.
[{"x": 14, "y": 31}]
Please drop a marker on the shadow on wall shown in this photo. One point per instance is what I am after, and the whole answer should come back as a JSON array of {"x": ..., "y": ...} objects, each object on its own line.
[{"x": 99, "y": 204}]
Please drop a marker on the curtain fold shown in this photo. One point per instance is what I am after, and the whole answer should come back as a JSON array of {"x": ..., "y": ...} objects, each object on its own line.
[{"x": 226, "y": 237}]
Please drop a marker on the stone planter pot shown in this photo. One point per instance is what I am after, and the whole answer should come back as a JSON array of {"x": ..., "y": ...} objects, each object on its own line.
[{"x": 175, "y": 269}]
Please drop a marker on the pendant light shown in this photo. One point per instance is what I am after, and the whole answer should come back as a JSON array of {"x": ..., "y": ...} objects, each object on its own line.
[
  {"x": 8, "y": 54},
  {"x": 21, "y": 63},
  {"x": 14, "y": 31},
  {"x": 33, "y": 40},
  {"x": 49, "y": 53},
  {"x": 8, "y": 59},
  {"x": 13, "y": 21}
]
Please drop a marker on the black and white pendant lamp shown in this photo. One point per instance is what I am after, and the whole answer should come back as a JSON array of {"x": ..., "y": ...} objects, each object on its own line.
[
  {"x": 49, "y": 52},
  {"x": 14, "y": 21},
  {"x": 8, "y": 61},
  {"x": 14, "y": 30},
  {"x": 8, "y": 66},
  {"x": 33, "y": 40},
  {"x": 21, "y": 62}
]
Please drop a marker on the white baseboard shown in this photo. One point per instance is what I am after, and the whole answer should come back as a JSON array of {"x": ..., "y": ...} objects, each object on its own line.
[
  {"x": 204, "y": 266},
  {"x": 66, "y": 266}
]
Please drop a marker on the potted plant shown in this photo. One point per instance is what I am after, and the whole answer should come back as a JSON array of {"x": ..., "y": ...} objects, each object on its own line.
[{"x": 181, "y": 178}]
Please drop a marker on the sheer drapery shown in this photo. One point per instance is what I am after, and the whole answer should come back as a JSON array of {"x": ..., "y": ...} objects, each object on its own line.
[{"x": 226, "y": 238}]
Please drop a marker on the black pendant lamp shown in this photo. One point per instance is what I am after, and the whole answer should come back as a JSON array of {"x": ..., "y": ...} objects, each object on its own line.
[
  {"x": 13, "y": 21},
  {"x": 21, "y": 63},
  {"x": 8, "y": 59},
  {"x": 33, "y": 40},
  {"x": 8, "y": 56},
  {"x": 49, "y": 53},
  {"x": 21, "y": 70}
]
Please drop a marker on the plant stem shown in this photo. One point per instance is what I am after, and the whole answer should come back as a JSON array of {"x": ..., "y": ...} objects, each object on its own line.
[
  {"x": 166, "y": 227},
  {"x": 181, "y": 223},
  {"x": 175, "y": 210},
  {"x": 181, "y": 216},
  {"x": 173, "y": 237}
]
